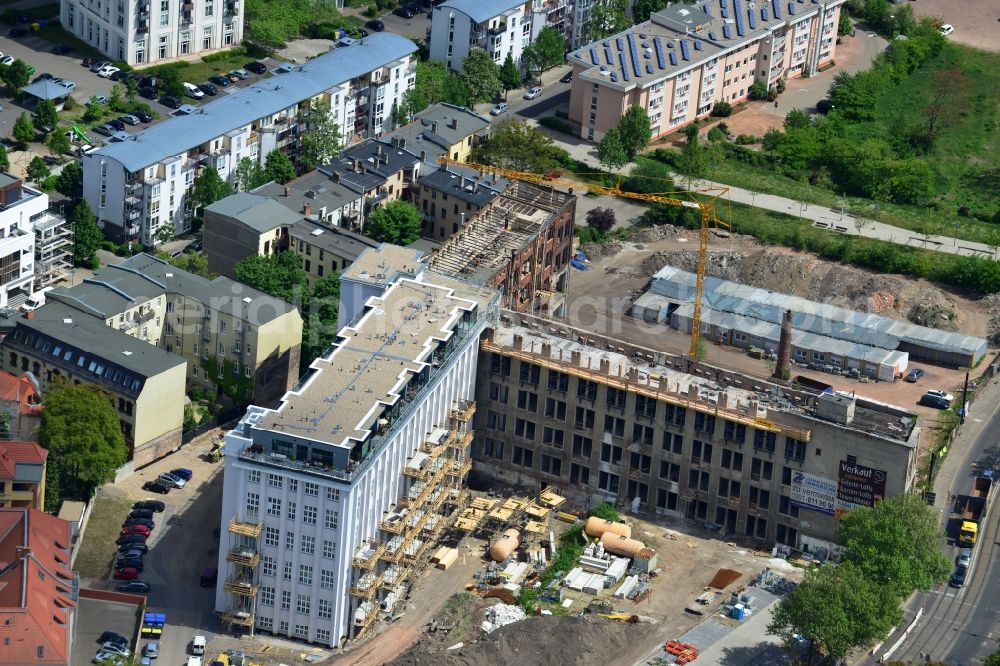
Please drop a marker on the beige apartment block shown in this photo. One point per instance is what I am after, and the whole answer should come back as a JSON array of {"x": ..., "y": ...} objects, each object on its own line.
[{"x": 687, "y": 57}]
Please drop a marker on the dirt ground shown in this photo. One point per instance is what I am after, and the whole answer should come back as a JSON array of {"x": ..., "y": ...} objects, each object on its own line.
[{"x": 975, "y": 21}]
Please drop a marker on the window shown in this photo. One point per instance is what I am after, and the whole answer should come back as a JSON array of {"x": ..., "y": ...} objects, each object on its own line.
[
  {"x": 611, "y": 454},
  {"x": 289, "y": 540},
  {"x": 614, "y": 425},
  {"x": 308, "y": 544},
  {"x": 286, "y": 599},
  {"x": 291, "y": 511},
  {"x": 704, "y": 423},
  {"x": 323, "y": 635},
  {"x": 675, "y": 416},
  {"x": 332, "y": 495},
  {"x": 332, "y": 519},
  {"x": 273, "y": 506},
  {"x": 786, "y": 508},
  {"x": 582, "y": 446},
  {"x": 310, "y": 489},
  {"x": 760, "y": 470},
  {"x": 253, "y": 505},
  {"x": 524, "y": 429},
  {"x": 735, "y": 432},
  {"x": 498, "y": 392},
  {"x": 271, "y": 536},
  {"x": 274, "y": 480},
  {"x": 760, "y": 499},
  {"x": 584, "y": 418},
  {"x": 555, "y": 409},
  {"x": 495, "y": 421},
  {"x": 701, "y": 452},
  {"x": 324, "y": 609},
  {"x": 305, "y": 574},
  {"x": 764, "y": 441},
  {"x": 268, "y": 567},
  {"x": 254, "y": 476},
  {"x": 579, "y": 474},
  {"x": 326, "y": 579},
  {"x": 732, "y": 460},
  {"x": 553, "y": 437},
  {"x": 608, "y": 482},
  {"x": 329, "y": 549},
  {"x": 551, "y": 465},
  {"x": 523, "y": 457},
  {"x": 500, "y": 365},
  {"x": 586, "y": 390},
  {"x": 645, "y": 407},
  {"x": 529, "y": 373},
  {"x": 616, "y": 398},
  {"x": 309, "y": 515},
  {"x": 670, "y": 471},
  {"x": 558, "y": 381},
  {"x": 267, "y": 596},
  {"x": 527, "y": 400},
  {"x": 795, "y": 449},
  {"x": 286, "y": 572},
  {"x": 672, "y": 443}
]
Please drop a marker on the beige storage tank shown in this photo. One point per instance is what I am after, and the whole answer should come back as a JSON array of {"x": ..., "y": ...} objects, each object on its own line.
[
  {"x": 616, "y": 544},
  {"x": 505, "y": 545},
  {"x": 596, "y": 527}
]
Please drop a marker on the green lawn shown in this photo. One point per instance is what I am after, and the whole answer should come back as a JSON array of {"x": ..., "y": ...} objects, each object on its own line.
[
  {"x": 97, "y": 552},
  {"x": 219, "y": 63},
  {"x": 56, "y": 35}
]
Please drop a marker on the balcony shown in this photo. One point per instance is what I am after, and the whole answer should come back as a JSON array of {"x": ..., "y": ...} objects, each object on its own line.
[
  {"x": 241, "y": 585},
  {"x": 367, "y": 555},
  {"x": 243, "y": 555},
  {"x": 366, "y": 585},
  {"x": 247, "y": 529},
  {"x": 239, "y": 616}
]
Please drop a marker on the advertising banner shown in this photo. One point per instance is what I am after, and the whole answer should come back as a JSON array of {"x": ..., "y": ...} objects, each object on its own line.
[
  {"x": 815, "y": 493},
  {"x": 858, "y": 485}
]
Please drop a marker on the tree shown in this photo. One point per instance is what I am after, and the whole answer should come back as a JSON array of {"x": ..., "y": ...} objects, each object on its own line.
[
  {"x": 278, "y": 167},
  {"x": 797, "y": 119},
  {"x": 514, "y": 144},
  {"x": 249, "y": 175},
  {"x": 896, "y": 544},
  {"x": 693, "y": 162},
  {"x": 757, "y": 91},
  {"x": 606, "y": 18},
  {"x": 992, "y": 660},
  {"x": 412, "y": 103},
  {"x": 58, "y": 143},
  {"x": 611, "y": 150},
  {"x": 635, "y": 130},
  {"x": 16, "y": 76},
  {"x": 550, "y": 47},
  {"x": 837, "y": 608},
  {"x": 279, "y": 275},
  {"x": 322, "y": 321},
  {"x": 38, "y": 170},
  {"x": 170, "y": 77},
  {"x": 395, "y": 222},
  {"x": 601, "y": 219},
  {"x": 4, "y": 160},
  {"x": 209, "y": 188},
  {"x": 948, "y": 92},
  {"x": 481, "y": 76},
  {"x": 722, "y": 110},
  {"x": 510, "y": 75},
  {"x": 648, "y": 176},
  {"x": 641, "y": 9},
  {"x": 46, "y": 116},
  {"x": 131, "y": 90},
  {"x": 844, "y": 26},
  {"x": 70, "y": 181},
  {"x": 165, "y": 233},
  {"x": 87, "y": 235},
  {"x": 116, "y": 98},
  {"x": 81, "y": 431},
  {"x": 434, "y": 83},
  {"x": 24, "y": 131},
  {"x": 321, "y": 138}
]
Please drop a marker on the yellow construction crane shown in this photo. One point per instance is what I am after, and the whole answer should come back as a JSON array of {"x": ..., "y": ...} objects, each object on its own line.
[{"x": 706, "y": 207}]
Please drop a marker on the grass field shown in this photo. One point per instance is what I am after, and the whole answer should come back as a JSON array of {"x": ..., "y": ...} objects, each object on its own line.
[
  {"x": 97, "y": 552},
  {"x": 219, "y": 63},
  {"x": 965, "y": 159},
  {"x": 56, "y": 35}
]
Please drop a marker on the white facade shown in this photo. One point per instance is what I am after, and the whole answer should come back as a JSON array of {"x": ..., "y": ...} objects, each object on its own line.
[
  {"x": 152, "y": 31},
  {"x": 20, "y": 207},
  {"x": 497, "y": 28},
  {"x": 139, "y": 186}
]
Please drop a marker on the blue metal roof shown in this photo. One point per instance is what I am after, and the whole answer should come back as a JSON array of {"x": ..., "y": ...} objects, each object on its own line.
[
  {"x": 481, "y": 11},
  {"x": 181, "y": 133}
]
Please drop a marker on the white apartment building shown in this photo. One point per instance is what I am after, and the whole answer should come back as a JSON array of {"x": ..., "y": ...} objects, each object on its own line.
[
  {"x": 20, "y": 206},
  {"x": 498, "y": 27},
  {"x": 135, "y": 187},
  {"x": 152, "y": 31},
  {"x": 686, "y": 58},
  {"x": 317, "y": 491}
]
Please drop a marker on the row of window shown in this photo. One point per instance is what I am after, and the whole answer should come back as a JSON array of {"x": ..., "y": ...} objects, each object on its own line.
[{"x": 307, "y": 543}]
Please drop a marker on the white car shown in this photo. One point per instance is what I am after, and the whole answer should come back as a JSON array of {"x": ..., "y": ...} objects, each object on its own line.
[
  {"x": 499, "y": 109},
  {"x": 944, "y": 395},
  {"x": 946, "y": 29},
  {"x": 7, "y": 60},
  {"x": 65, "y": 83},
  {"x": 533, "y": 93},
  {"x": 193, "y": 91},
  {"x": 107, "y": 71}
]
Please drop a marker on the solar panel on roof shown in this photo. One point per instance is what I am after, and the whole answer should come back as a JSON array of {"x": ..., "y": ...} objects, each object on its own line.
[
  {"x": 684, "y": 50},
  {"x": 673, "y": 59},
  {"x": 727, "y": 32},
  {"x": 649, "y": 68},
  {"x": 764, "y": 14},
  {"x": 697, "y": 45},
  {"x": 725, "y": 13},
  {"x": 776, "y": 6},
  {"x": 593, "y": 57},
  {"x": 660, "y": 61},
  {"x": 791, "y": 8},
  {"x": 752, "y": 17},
  {"x": 621, "y": 43},
  {"x": 608, "y": 56},
  {"x": 738, "y": 13},
  {"x": 635, "y": 55},
  {"x": 712, "y": 35},
  {"x": 621, "y": 61}
]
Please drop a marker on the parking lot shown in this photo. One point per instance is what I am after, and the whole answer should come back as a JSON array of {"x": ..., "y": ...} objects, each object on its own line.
[
  {"x": 94, "y": 617},
  {"x": 183, "y": 543}
]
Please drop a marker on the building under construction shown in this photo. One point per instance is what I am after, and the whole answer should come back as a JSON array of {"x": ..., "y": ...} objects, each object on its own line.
[
  {"x": 333, "y": 497},
  {"x": 520, "y": 243}
]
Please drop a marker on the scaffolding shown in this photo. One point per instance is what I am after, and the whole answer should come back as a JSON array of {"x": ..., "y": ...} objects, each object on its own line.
[{"x": 242, "y": 583}]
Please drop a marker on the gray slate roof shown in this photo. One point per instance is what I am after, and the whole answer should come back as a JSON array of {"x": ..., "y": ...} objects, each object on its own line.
[
  {"x": 260, "y": 213},
  {"x": 431, "y": 131},
  {"x": 372, "y": 153},
  {"x": 480, "y": 10},
  {"x": 45, "y": 90},
  {"x": 316, "y": 188},
  {"x": 340, "y": 242},
  {"x": 270, "y": 96},
  {"x": 463, "y": 186},
  {"x": 119, "y": 287}
]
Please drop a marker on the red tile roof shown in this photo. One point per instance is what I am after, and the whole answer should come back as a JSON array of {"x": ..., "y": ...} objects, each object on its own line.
[
  {"x": 20, "y": 389},
  {"x": 34, "y": 566},
  {"x": 12, "y": 453}
]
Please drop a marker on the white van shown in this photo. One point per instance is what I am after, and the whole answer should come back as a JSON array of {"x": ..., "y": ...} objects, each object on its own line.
[
  {"x": 197, "y": 647},
  {"x": 36, "y": 300},
  {"x": 193, "y": 91},
  {"x": 194, "y": 661}
]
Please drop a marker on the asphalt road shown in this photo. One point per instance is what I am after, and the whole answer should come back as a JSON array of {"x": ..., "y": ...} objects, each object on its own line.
[{"x": 960, "y": 627}]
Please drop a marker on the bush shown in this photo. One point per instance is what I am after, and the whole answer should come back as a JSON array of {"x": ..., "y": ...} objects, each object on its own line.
[
  {"x": 607, "y": 511},
  {"x": 747, "y": 139},
  {"x": 558, "y": 124},
  {"x": 49, "y": 184},
  {"x": 122, "y": 65},
  {"x": 722, "y": 110},
  {"x": 715, "y": 134},
  {"x": 758, "y": 91}
]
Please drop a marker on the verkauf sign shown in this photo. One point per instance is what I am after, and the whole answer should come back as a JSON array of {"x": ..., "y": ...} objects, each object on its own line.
[{"x": 860, "y": 485}]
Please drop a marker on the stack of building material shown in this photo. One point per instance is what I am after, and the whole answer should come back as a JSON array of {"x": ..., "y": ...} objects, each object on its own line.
[
  {"x": 617, "y": 569},
  {"x": 448, "y": 558},
  {"x": 594, "y": 563},
  {"x": 594, "y": 584},
  {"x": 574, "y": 578},
  {"x": 630, "y": 583},
  {"x": 501, "y": 615},
  {"x": 515, "y": 571}
]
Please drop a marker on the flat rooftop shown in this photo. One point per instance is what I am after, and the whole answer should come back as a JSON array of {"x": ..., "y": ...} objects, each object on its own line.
[
  {"x": 382, "y": 264},
  {"x": 483, "y": 246},
  {"x": 343, "y": 400}
]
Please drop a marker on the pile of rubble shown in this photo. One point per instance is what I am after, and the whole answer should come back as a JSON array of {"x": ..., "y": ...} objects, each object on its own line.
[{"x": 500, "y": 616}]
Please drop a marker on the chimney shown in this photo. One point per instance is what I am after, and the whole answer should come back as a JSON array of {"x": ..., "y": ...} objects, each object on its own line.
[
  {"x": 475, "y": 186},
  {"x": 29, "y": 315},
  {"x": 605, "y": 366},
  {"x": 356, "y": 164},
  {"x": 311, "y": 194},
  {"x": 423, "y": 155},
  {"x": 336, "y": 176},
  {"x": 784, "y": 347},
  {"x": 434, "y": 127},
  {"x": 723, "y": 400},
  {"x": 402, "y": 143},
  {"x": 464, "y": 180},
  {"x": 287, "y": 190},
  {"x": 453, "y": 123},
  {"x": 518, "y": 342},
  {"x": 378, "y": 148},
  {"x": 546, "y": 349},
  {"x": 693, "y": 391},
  {"x": 574, "y": 356},
  {"x": 307, "y": 210}
]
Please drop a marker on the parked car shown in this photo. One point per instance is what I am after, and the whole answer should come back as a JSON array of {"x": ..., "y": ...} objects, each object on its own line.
[
  {"x": 134, "y": 586},
  {"x": 119, "y": 125},
  {"x": 107, "y": 72},
  {"x": 182, "y": 472},
  {"x": 133, "y": 553},
  {"x": 105, "y": 130},
  {"x": 124, "y": 539},
  {"x": 61, "y": 49},
  {"x": 533, "y": 93},
  {"x": 403, "y": 12},
  {"x": 137, "y": 529},
  {"x": 149, "y": 92},
  {"x": 98, "y": 65},
  {"x": 171, "y": 480},
  {"x": 115, "y": 648},
  {"x": 198, "y": 644},
  {"x": 946, "y": 29},
  {"x": 129, "y": 563},
  {"x": 149, "y": 80},
  {"x": 141, "y": 513},
  {"x": 104, "y": 657},
  {"x": 944, "y": 395},
  {"x": 156, "y": 487},
  {"x": 499, "y": 109},
  {"x": 65, "y": 83},
  {"x": 44, "y": 76},
  {"x": 958, "y": 578},
  {"x": 256, "y": 67},
  {"x": 7, "y": 60},
  {"x": 824, "y": 106},
  {"x": 567, "y": 78},
  {"x": 208, "y": 89},
  {"x": 913, "y": 375},
  {"x": 112, "y": 637},
  {"x": 415, "y": 8},
  {"x": 170, "y": 102},
  {"x": 98, "y": 99},
  {"x": 220, "y": 81},
  {"x": 144, "y": 116},
  {"x": 965, "y": 557},
  {"x": 120, "y": 75},
  {"x": 18, "y": 32},
  {"x": 152, "y": 650},
  {"x": 192, "y": 91},
  {"x": 128, "y": 573},
  {"x": 155, "y": 506},
  {"x": 375, "y": 25},
  {"x": 146, "y": 522},
  {"x": 935, "y": 401},
  {"x": 139, "y": 547},
  {"x": 240, "y": 74},
  {"x": 129, "y": 119}
]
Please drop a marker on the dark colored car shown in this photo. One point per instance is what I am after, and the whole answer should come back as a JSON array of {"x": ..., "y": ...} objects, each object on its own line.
[
  {"x": 375, "y": 25},
  {"x": 128, "y": 573},
  {"x": 130, "y": 538},
  {"x": 220, "y": 81},
  {"x": 170, "y": 102},
  {"x": 44, "y": 76},
  {"x": 129, "y": 563},
  {"x": 112, "y": 637},
  {"x": 149, "y": 81},
  {"x": 403, "y": 12},
  {"x": 415, "y": 8},
  {"x": 156, "y": 487},
  {"x": 148, "y": 92},
  {"x": 568, "y": 78},
  {"x": 209, "y": 576},
  {"x": 105, "y": 130},
  {"x": 958, "y": 578},
  {"x": 120, "y": 75},
  {"x": 255, "y": 67},
  {"x": 145, "y": 117},
  {"x": 824, "y": 106},
  {"x": 145, "y": 522},
  {"x": 208, "y": 89},
  {"x": 138, "y": 545},
  {"x": 914, "y": 375},
  {"x": 18, "y": 32},
  {"x": 150, "y": 505},
  {"x": 117, "y": 124},
  {"x": 61, "y": 49},
  {"x": 135, "y": 586},
  {"x": 141, "y": 513},
  {"x": 935, "y": 401},
  {"x": 182, "y": 472}
]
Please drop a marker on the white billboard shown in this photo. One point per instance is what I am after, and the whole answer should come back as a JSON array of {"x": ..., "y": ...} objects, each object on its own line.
[{"x": 815, "y": 493}]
